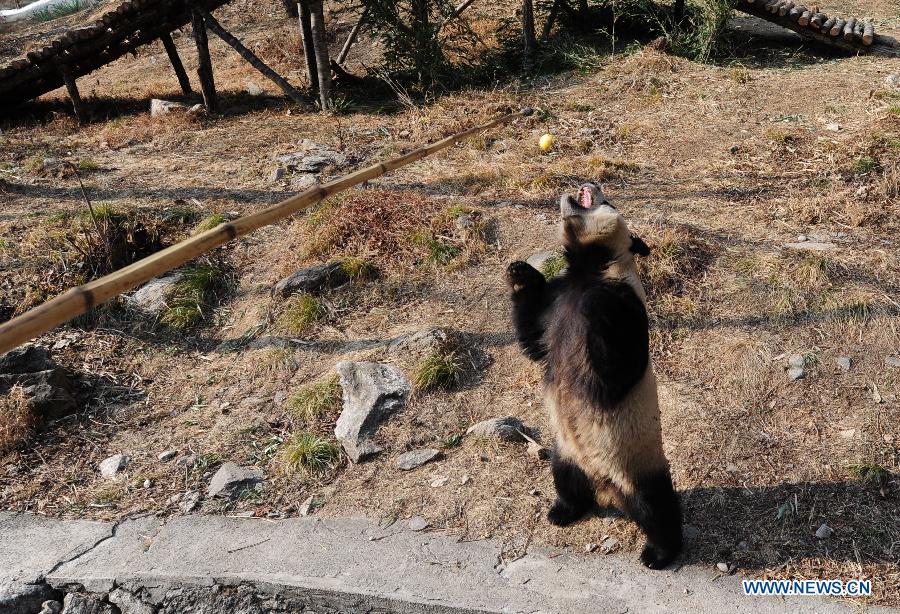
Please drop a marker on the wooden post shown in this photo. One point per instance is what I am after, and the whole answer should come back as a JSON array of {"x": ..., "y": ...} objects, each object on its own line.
[
  {"x": 74, "y": 96},
  {"x": 309, "y": 50},
  {"x": 320, "y": 42},
  {"x": 528, "y": 35},
  {"x": 248, "y": 55},
  {"x": 352, "y": 36},
  {"x": 172, "y": 52},
  {"x": 204, "y": 68}
]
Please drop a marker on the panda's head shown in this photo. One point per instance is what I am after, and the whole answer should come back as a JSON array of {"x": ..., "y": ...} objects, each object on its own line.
[{"x": 594, "y": 233}]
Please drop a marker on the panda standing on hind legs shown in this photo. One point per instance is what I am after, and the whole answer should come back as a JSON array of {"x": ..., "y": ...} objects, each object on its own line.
[{"x": 589, "y": 328}]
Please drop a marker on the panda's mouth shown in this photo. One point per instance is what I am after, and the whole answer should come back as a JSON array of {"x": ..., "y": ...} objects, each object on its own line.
[{"x": 586, "y": 197}]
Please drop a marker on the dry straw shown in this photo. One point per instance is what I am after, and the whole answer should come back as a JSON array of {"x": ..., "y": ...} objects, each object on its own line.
[{"x": 78, "y": 300}]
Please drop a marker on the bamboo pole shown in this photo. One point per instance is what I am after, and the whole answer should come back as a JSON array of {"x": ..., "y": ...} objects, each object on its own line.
[{"x": 78, "y": 300}]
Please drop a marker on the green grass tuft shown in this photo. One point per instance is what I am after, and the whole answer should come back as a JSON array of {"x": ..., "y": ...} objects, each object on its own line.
[
  {"x": 309, "y": 453},
  {"x": 87, "y": 164},
  {"x": 58, "y": 10},
  {"x": 312, "y": 402},
  {"x": 359, "y": 269},
  {"x": 868, "y": 472},
  {"x": 865, "y": 165},
  {"x": 438, "y": 370},
  {"x": 191, "y": 293},
  {"x": 438, "y": 252},
  {"x": 102, "y": 213},
  {"x": 302, "y": 312},
  {"x": 210, "y": 222},
  {"x": 552, "y": 266}
]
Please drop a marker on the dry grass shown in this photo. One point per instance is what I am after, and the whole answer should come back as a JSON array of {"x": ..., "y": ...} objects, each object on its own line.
[
  {"x": 17, "y": 420},
  {"x": 313, "y": 402}
]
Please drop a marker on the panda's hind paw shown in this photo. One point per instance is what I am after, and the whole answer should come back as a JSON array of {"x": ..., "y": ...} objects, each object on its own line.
[
  {"x": 521, "y": 275},
  {"x": 562, "y": 514},
  {"x": 654, "y": 557}
]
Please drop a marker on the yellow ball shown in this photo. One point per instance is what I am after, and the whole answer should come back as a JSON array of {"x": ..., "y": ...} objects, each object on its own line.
[{"x": 546, "y": 142}]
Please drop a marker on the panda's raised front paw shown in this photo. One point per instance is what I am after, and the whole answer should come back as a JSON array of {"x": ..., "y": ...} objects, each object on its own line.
[
  {"x": 521, "y": 275},
  {"x": 655, "y": 557}
]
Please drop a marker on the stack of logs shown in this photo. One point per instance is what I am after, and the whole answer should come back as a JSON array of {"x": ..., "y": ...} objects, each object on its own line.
[{"x": 851, "y": 29}]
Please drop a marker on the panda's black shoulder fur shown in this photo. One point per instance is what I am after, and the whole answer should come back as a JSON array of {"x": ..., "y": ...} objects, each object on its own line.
[{"x": 602, "y": 344}]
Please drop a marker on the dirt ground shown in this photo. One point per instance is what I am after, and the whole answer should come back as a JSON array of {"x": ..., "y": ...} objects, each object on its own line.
[{"x": 716, "y": 166}]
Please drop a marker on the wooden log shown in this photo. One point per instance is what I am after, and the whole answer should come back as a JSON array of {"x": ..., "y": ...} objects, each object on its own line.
[
  {"x": 252, "y": 59},
  {"x": 79, "y": 300},
  {"x": 868, "y": 33},
  {"x": 848, "y": 29},
  {"x": 826, "y": 27},
  {"x": 785, "y": 8},
  {"x": 74, "y": 96},
  {"x": 838, "y": 27},
  {"x": 351, "y": 38},
  {"x": 204, "y": 67},
  {"x": 804, "y": 18},
  {"x": 309, "y": 49},
  {"x": 816, "y": 21},
  {"x": 177, "y": 66}
]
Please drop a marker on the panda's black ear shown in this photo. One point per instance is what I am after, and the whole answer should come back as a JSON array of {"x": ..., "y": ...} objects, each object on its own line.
[{"x": 639, "y": 247}]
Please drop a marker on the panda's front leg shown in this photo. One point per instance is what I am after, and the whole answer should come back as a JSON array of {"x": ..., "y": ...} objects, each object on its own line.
[{"x": 530, "y": 297}]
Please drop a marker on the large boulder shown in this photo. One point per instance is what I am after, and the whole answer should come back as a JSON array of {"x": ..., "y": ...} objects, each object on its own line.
[
  {"x": 313, "y": 279},
  {"x": 372, "y": 392}
]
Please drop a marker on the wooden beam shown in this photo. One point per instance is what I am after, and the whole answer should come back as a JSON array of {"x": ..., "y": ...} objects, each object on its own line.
[
  {"x": 172, "y": 52},
  {"x": 251, "y": 59},
  {"x": 74, "y": 96},
  {"x": 351, "y": 38},
  {"x": 204, "y": 67}
]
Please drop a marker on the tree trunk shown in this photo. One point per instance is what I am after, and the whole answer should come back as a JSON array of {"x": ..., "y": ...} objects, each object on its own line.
[
  {"x": 290, "y": 7},
  {"x": 323, "y": 62},
  {"x": 309, "y": 50},
  {"x": 204, "y": 67},
  {"x": 528, "y": 36}
]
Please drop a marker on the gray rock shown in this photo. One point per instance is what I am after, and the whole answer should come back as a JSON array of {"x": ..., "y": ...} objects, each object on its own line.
[
  {"x": 892, "y": 362},
  {"x": 797, "y": 360},
  {"x": 591, "y": 547},
  {"x": 416, "y": 458},
  {"x": 464, "y": 221},
  {"x": 188, "y": 460},
  {"x": 844, "y": 363},
  {"x": 45, "y": 384},
  {"x": 795, "y": 373},
  {"x": 196, "y": 109},
  {"x": 129, "y": 603},
  {"x": 189, "y": 501},
  {"x": 440, "y": 481},
  {"x": 253, "y": 89},
  {"x": 112, "y": 466},
  {"x": 159, "y": 107},
  {"x": 609, "y": 545},
  {"x": 168, "y": 455},
  {"x": 303, "y": 182},
  {"x": 26, "y": 359},
  {"x": 372, "y": 392},
  {"x": 815, "y": 246},
  {"x": 77, "y": 603},
  {"x": 47, "y": 399},
  {"x": 18, "y": 595},
  {"x": 51, "y": 607},
  {"x": 723, "y": 567},
  {"x": 507, "y": 428},
  {"x": 539, "y": 259},
  {"x": 311, "y": 158},
  {"x": 417, "y": 523},
  {"x": 276, "y": 175},
  {"x": 231, "y": 480},
  {"x": 309, "y": 506},
  {"x": 425, "y": 341},
  {"x": 313, "y": 279},
  {"x": 892, "y": 80},
  {"x": 824, "y": 531},
  {"x": 152, "y": 297}
]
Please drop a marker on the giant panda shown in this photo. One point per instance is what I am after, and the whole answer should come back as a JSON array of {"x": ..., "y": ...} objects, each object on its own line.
[{"x": 589, "y": 329}]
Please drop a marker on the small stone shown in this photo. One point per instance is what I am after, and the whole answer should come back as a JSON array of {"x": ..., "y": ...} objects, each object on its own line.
[
  {"x": 111, "y": 467},
  {"x": 534, "y": 492},
  {"x": 147, "y": 483},
  {"x": 609, "y": 544},
  {"x": 308, "y": 506},
  {"x": 538, "y": 451},
  {"x": 734, "y": 149},
  {"x": 163, "y": 107},
  {"x": 276, "y": 175},
  {"x": 168, "y": 455},
  {"x": 404, "y": 134},
  {"x": 848, "y": 433},
  {"x": 892, "y": 80},
  {"x": 417, "y": 523},
  {"x": 174, "y": 499},
  {"x": 253, "y": 89},
  {"x": 824, "y": 531},
  {"x": 153, "y": 296},
  {"x": 797, "y": 360},
  {"x": 464, "y": 221},
  {"x": 507, "y": 428},
  {"x": 51, "y": 607},
  {"x": 723, "y": 567},
  {"x": 844, "y": 363},
  {"x": 440, "y": 481},
  {"x": 313, "y": 279},
  {"x": 188, "y": 460},
  {"x": 731, "y": 468},
  {"x": 231, "y": 480},
  {"x": 416, "y": 458},
  {"x": 189, "y": 501},
  {"x": 465, "y": 479},
  {"x": 196, "y": 109},
  {"x": 795, "y": 373},
  {"x": 590, "y": 547},
  {"x": 892, "y": 362},
  {"x": 833, "y": 127},
  {"x": 802, "y": 238}
]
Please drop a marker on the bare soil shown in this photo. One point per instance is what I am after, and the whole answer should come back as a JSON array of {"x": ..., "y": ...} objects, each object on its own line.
[{"x": 716, "y": 166}]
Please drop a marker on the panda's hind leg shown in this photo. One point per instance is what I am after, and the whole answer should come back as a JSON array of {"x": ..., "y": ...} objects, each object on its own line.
[
  {"x": 655, "y": 508},
  {"x": 574, "y": 492}
]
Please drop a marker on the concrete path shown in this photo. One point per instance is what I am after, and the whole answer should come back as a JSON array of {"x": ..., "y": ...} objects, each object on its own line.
[{"x": 211, "y": 564}]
